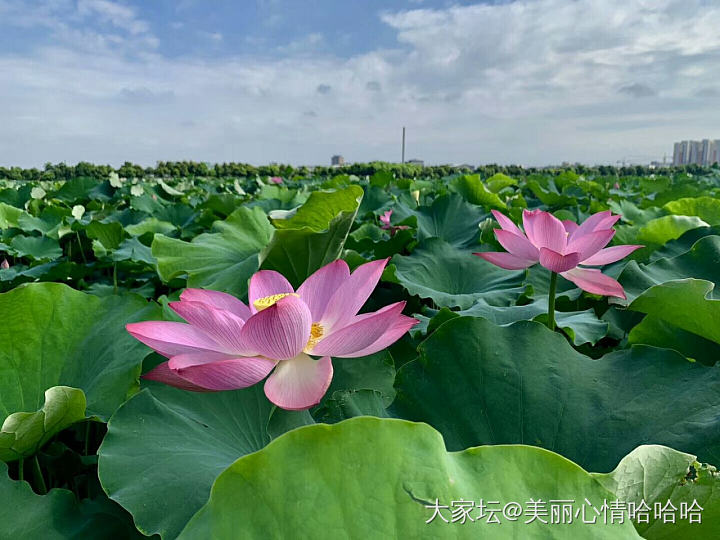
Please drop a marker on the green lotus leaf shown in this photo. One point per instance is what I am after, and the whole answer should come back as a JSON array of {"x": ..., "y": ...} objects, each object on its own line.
[
  {"x": 223, "y": 260},
  {"x": 36, "y": 247},
  {"x": 375, "y": 200},
  {"x": 9, "y": 216},
  {"x": 370, "y": 239},
  {"x": 281, "y": 421},
  {"x": 688, "y": 188},
  {"x": 314, "y": 235},
  {"x": 382, "y": 179},
  {"x": 455, "y": 278},
  {"x": 150, "y": 225},
  {"x": 550, "y": 197},
  {"x": 656, "y": 331},
  {"x": 345, "y": 404},
  {"x": 500, "y": 181},
  {"x": 580, "y": 326},
  {"x": 110, "y": 235},
  {"x": 449, "y": 218},
  {"x": 81, "y": 189},
  {"x": 479, "y": 383},
  {"x": 633, "y": 215},
  {"x": 700, "y": 262},
  {"x": 24, "y": 433},
  {"x": 273, "y": 197},
  {"x": 706, "y": 208},
  {"x": 474, "y": 191},
  {"x": 365, "y": 235},
  {"x": 58, "y": 515},
  {"x": 666, "y": 228},
  {"x": 374, "y": 372},
  {"x": 134, "y": 250},
  {"x": 689, "y": 304},
  {"x": 165, "y": 447},
  {"x": 657, "y": 474},
  {"x": 383, "y": 476},
  {"x": 684, "y": 243},
  {"x": 48, "y": 222},
  {"x": 56, "y": 336}
]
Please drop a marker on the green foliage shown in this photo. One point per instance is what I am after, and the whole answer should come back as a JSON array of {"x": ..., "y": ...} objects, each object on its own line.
[
  {"x": 478, "y": 383},
  {"x": 409, "y": 469},
  {"x": 182, "y": 441},
  {"x": 23, "y": 433},
  {"x": 86, "y": 249},
  {"x": 313, "y": 236},
  {"x": 474, "y": 191},
  {"x": 659, "y": 474},
  {"x": 223, "y": 260},
  {"x": 454, "y": 278},
  {"x": 61, "y": 337}
]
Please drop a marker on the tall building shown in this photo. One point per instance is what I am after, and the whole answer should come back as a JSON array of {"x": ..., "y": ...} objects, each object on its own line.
[
  {"x": 705, "y": 152},
  {"x": 677, "y": 153},
  {"x": 336, "y": 161}
]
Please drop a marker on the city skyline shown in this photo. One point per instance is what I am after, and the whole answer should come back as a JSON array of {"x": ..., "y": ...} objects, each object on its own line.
[{"x": 705, "y": 152}]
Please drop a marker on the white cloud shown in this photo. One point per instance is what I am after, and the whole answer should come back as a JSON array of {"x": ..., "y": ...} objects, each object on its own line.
[
  {"x": 529, "y": 81},
  {"x": 118, "y": 15},
  {"x": 307, "y": 44}
]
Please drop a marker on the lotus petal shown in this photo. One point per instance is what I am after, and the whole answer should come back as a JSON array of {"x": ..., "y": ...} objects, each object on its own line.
[
  {"x": 362, "y": 332},
  {"x": 281, "y": 331},
  {"x": 610, "y": 255},
  {"x": 224, "y": 374},
  {"x": 557, "y": 262},
  {"x": 350, "y": 296},
  {"x": 595, "y": 282},
  {"x": 173, "y": 338},
  {"x": 299, "y": 383},
  {"x": 267, "y": 283},
  {"x": 317, "y": 289},
  {"x": 508, "y": 261},
  {"x": 545, "y": 230},
  {"x": 517, "y": 245},
  {"x": 218, "y": 300}
]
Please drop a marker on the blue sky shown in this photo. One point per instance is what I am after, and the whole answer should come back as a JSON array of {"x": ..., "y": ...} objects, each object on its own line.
[
  {"x": 525, "y": 81},
  {"x": 231, "y": 28}
]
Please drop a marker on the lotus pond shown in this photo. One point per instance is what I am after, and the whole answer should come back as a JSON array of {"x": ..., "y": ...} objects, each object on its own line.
[{"x": 360, "y": 357}]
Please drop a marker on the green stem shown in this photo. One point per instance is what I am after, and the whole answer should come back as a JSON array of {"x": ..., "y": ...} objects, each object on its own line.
[
  {"x": 115, "y": 285},
  {"x": 21, "y": 469},
  {"x": 82, "y": 252},
  {"x": 87, "y": 437},
  {"x": 39, "y": 476},
  {"x": 551, "y": 301}
]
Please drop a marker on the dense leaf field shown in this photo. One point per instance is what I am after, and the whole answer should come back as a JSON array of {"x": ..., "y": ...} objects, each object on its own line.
[{"x": 479, "y": 410}]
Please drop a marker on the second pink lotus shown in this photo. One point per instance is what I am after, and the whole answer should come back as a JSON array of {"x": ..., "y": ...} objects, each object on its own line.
[{"x": 563, "y": 247}]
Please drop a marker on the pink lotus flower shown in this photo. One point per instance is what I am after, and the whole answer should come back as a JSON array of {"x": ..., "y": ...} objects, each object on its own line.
[
  {"x": 229, "y": 345},
  {"x": 562, "y": 247},
  {"x": 385, "y": 220},
  {"x": 275, "y": 180},
  {"x": 4, "y": 264},
  {"x": 616, "y": 185}
]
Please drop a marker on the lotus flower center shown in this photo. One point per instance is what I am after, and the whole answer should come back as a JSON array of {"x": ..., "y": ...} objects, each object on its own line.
[
  {"x": 316, "y": 333},
  {"x": 267, "y": 301}
]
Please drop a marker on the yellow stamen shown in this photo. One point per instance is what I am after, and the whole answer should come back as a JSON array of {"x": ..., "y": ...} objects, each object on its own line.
[
  {"x": 316, "y": 333},
  {"x": 267, "y": 301}
]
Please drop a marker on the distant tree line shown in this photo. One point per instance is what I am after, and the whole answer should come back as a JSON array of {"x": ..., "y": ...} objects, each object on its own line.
[{"x": 189, "y": 169}]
